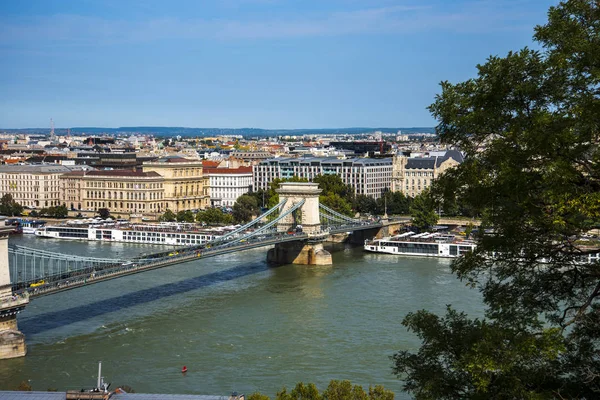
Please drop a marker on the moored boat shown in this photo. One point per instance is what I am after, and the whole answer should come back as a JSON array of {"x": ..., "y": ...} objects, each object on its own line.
[
  {"x": 173, "y": 234},
  {"x": 421, "y": 244}
]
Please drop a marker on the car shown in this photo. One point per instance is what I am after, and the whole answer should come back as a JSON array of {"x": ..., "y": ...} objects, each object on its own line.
[{"x": 38, "y": 283}]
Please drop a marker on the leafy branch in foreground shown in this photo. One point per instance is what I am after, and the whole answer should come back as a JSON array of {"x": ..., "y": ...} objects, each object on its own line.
[{"x": 529, "y": 125}]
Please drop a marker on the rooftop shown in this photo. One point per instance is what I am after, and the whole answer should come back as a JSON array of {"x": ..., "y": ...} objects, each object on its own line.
[
  {"x": 116, "y": 172},
  {"x": 35, "y": 169}
]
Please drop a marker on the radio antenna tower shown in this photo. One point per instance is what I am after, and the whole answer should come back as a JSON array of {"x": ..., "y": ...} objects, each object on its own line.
[{"x": 51, "y": 129}]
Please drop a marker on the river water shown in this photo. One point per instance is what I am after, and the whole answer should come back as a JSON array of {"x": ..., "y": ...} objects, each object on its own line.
[{"x": 236, "y": 323}]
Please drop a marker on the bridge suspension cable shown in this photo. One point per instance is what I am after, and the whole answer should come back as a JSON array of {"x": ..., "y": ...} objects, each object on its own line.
[
  {"x": 337, "y": 214},
  {"x": 329, "y": 219},
  {"x": 16, "y": 249},
  {"x": 28, "y": 265},
  {"x": 251, "y": 223},
  {"x": 262, "y": 229}
]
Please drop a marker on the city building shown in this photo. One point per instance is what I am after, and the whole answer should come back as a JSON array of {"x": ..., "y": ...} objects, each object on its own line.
[
  {"x": 185, "y": 186},
  {"x": 34, "y": 186},
  {"x": 363, "y": 147},
  {"x": 171, "y": 182},
  {"x": 412, "y": 175},
  {"x": 121, "y": 191},
  {"x": 368, "y": 176},
  {"x": 227, "y": 184},
  {"x": 251, "y": 157}
]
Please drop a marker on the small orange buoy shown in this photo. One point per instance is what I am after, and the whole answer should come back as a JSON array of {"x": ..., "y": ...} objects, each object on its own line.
[{"x": 184, "y": 369}]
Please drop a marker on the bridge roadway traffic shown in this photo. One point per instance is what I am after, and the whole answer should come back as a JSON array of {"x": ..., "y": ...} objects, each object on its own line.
[{"x": 99, "y": 274}]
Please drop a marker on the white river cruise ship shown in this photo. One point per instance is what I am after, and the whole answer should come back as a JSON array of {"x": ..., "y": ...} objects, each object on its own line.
[
  {"x": 421, "y": 244},
  {"x": 173, "y": 234}
]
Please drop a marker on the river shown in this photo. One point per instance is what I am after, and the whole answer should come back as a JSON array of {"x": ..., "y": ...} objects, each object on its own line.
[{"x": 236, "y": 323}]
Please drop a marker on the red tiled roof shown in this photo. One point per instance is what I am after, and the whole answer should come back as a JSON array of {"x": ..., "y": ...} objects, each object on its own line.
[{"x": 210, "y": 164}]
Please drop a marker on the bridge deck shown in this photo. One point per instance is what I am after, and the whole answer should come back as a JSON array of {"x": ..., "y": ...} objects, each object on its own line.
[{"x": 78, "y": 279}]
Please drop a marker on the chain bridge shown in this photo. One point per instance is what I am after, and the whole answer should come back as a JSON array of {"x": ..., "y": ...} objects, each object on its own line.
[{"x": 296, "y": 228}]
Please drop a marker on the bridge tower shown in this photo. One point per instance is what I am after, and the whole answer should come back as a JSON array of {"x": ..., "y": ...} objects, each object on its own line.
[
  {"x": 12, "y": 342},
  {"x": 300, "y": 252}
]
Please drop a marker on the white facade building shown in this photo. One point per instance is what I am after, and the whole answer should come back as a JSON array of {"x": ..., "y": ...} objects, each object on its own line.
[
  {"x": 227, "y": 184},
  {"x": 368, "y": 176}
]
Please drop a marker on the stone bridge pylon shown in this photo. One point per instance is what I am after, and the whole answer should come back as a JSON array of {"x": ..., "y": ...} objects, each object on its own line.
[
  {"x": 300, "y": 252},
  {"x": 308, "y": 214},
  {"x": 12, "y": 342}
]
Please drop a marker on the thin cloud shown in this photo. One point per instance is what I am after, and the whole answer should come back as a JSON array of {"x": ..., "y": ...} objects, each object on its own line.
[{"x": 81, "y": 30}]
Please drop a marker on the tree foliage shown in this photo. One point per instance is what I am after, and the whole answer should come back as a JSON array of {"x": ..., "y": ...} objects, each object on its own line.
[
  {"x": 257, "y": 396},
  {"x": 336, "y": 390},
  {"x": 336, "y": 194},
  {"x": 365, "y": 204},
  {"x": 168, "y": 216},
  {"x": 214, "y": 216},
  {"x": 185, "y": 216},
  {"x": 300, "y": 392},
  {"x": 529, "y": 125},
  {"x": 395, "y": 202},
  {"x": 245, "y": 208},
  {"x": 55, "y": 211},
  {"x": 422, "y": 211},
  {"x": 104, "y": 213},
  {"x": 9, "y": 207}
]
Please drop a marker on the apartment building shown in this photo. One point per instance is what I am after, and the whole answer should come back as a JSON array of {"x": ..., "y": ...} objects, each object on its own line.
[
  {"x": 185, "y": 186},
  {"x": 33, "y": 186},
  {"x": 171, "y": 183},
  {"x": 412, "y": 175},
  {"x": 227, "y": 184},
  {"x": 368, "y": 176},
  {"x": 121, "y": 191}
]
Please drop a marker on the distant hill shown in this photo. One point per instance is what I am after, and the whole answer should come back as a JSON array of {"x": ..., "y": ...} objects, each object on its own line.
[{"x": 187, "y": 132}]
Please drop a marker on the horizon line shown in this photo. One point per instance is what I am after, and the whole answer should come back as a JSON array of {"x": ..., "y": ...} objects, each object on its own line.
[{"x": 190, "y": 127}]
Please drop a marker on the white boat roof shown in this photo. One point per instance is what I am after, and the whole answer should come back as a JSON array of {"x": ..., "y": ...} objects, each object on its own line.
[
  {"x": 420, "y": 235},
  {"x": 405, "y": 234}
]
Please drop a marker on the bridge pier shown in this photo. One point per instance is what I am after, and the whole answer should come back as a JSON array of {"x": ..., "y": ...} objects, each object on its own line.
[
  {"x": 298, "y": 252},
  {"x": 12, "y": 342}
]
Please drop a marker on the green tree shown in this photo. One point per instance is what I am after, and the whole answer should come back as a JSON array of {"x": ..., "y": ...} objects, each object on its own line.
[
  {"x": 343, "y": 390},
  {"x": 422, "y": 211},
  {"x": 257, "y": 396},
  {"x": 380, "y": 393},
  {"x": 365, "y": 204},
  {"x": 394, "y": 203},
  {"x": 528, "y": 124},
  {"x": 260, "y": 195},
  {"x": 104, "y": 213},
  {"x": 300, "y": 392},
  {"x": 213, "y": 216},
  {"x": 244, "y": 208},
  {"x": 399, "y": 204},
  {"x": 9, "y": 207},
  {"x": 334, "y": 184},
  {"x": 185, "y": 216},
  {"x": 60, "y": 211},
  {"x": 168, "y": 216},
  {"x": 336, "y": 194},
  {"x": 337, "y": 203}
]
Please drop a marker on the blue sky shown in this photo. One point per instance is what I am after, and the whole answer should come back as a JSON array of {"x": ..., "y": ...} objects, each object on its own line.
[{"x": 246, "y": 63}]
